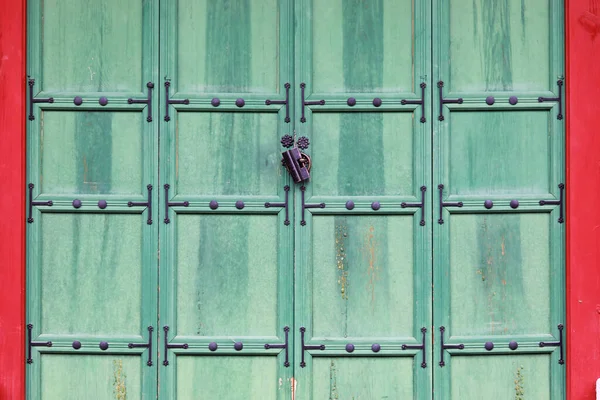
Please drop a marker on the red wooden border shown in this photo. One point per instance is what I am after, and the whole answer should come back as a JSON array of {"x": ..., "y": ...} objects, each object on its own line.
[
  {"x": 12, "y": 199},
  {"x": 583, "y": 198}
]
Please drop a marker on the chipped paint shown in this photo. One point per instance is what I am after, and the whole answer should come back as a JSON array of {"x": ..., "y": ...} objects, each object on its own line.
[
  {"x": 370, "y": 253},
  {"x": 119, "y": 386},
  {"x": 519, "y": 384},
  {"x": 333, "y": 392},
  {"x": 293, "y": 385},
  {"x": 280, "y": 383},
  {"x": 341, "y": 258}
]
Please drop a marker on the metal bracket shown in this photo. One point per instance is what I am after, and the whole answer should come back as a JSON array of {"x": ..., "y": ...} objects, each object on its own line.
[
  {"x": 447, "y": 346},
  {"x": 419, "y": 347},
  {"x": 305, "y": 206},
  {"x": 286, "y": 188},
  {"x": 286, "y": 330},
  {"x": 560, "y": 84},
  {"x": 421, "y": 205},
  {"x": 31, "y": 344},
  {"x": 171, "y": 346},
  {"x": 443, "y": 101},
  {"x": 31, "y": 82},
  {"x": 559, "y": 202},
  {"x": 147, "y": 101},
  {"x": 171, "y": 204},
  {"x": 148, "y": 345},
  {"x": 145, "y": 204},
  {"x": 421, "y": 102},
  {"x": 35, "y": 203},
  {"x": 445, "y": 204},
  {"x": 307, "y": 347},
  {"x": 286, "y": 102},
  {"x": 169, "y": 101},
  {"x": 308, "y": 103},
  {"x": 561, "y": 360}
]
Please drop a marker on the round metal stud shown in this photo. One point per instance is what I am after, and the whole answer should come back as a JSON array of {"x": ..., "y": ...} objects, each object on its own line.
[
  {"x": 77, "y": 100},
  {"x": 349, "y": 347},
  {"x": 377, "y": 101},
  {"x": 103, "y": 345},
  {"x": 102, "y": 204},
  {"x": 213, "y": 205},
  {"x": 103, "y": 101},
  {"x": 351, "y": 101},
  {"x": 76, "y": 203},
  {"x": 514, "y": 204},
  {"x": 212, "y": 346},
  {"x": 490, "y": 100},
  {"x": 513, "y": 345},
  {"x": 76, "y": 344},
  {"x": 489, "y": 346},
  {"x": 513, "y": 100},
  {"x": 349, "y": 205},
  {"x": 488, "y": 204},
  {"x": 376, "y": 347},
  {"x": 375, "y": 205},
  {"x": 215, "y": 102},
  {"x": 240, "y": 102},
  {"x": 238, "y": 346},
  {"x": 239, "y": 204}
]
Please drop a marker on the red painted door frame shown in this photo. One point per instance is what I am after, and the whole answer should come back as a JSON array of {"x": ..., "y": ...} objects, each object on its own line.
[{"x": 583, "y": 197}]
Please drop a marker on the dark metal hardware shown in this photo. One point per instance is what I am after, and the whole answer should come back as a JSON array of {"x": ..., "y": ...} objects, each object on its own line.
[
  {"x": 375, "y": 205},
  {"x": 489, "y": 346},
  {"x": 512, "y": 100},
  {"x": 443, "y": 101},
  {"x": 447, "y": 346},
  {"x": 76, "y": 203},
  {"x": 307, "y": 347},
  {"x": 147, "y": 101},
  {"x": 560, "y": 83},
  {"x": 145, "y": 204},
  {"x": 169, "y": 101},
  {"x": 76, "y": 344},
  {"x": 171, "y": 346},
  {"x": 349, "y": 348},
  {"x": 561, "y": 360},
  {"x": 103, "y": 101},
  {"x": 305, "y": 206},
  {"x": 148, "y": 345},
  {"x": 287, "y": 141},
  {"x": 239, "y": 205},
  {"x": 77, "y": 100},
  {"x": 286, "y": 102},
  {"x": 213, "y": 346},
  {"x": 377, "y": 102},
  {"x": 213, "y": 204},
  {"x": 351, "y": 101},
  {"x": 421, "y": 205},
  {"x": 514, "y": 204},
  {"x": 238, "y": 346},
  {"x": 103, "y": 345},
  {"x": 559, "y": 202},
  {"x": 171, "y": 204},
  {"x": 349, "y": 205},
  {"x": 102, "y": 204},
  {"x": 35, "y": 203},
  {"x": 286, "y": 330},
  {"x": 31, "y": 343},
  {"x": 421, "y": 102},
  {"x": 490, "y": 100},
  {"x": 513, "y": 345},
  {"x": 375, "y": 348},
  {"x": 488, "y": 204},
  {"x": 420, "y": 347},
  {"x": 297, "y": 163},
  {"x": 446, "y": 204},
  {"x": 286, "y": 188},
  {"x": 308, "y": 103},
  {"x": 215, "y": 102},
  {"x": 31, "y": 82}
]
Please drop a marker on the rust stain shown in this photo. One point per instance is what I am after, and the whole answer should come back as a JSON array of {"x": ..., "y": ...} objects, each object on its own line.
[
  {"x": 119, "y": 386},
  {"x": 519, "y": 384},
  {"x": 341, "y": 259},
  {"x": 293, "y": 384},
  {"x": 503, "y": 245},
  {"x": 373, "y": 268}
]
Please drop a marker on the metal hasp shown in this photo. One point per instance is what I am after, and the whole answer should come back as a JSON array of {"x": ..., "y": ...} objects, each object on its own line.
[
  {"x": 169, "y": 101},
  {"x": 445, "y": 204},
  {"x": 561, "y": 360},
  {"x": 421, "y": 102},
  {"x": 286, "y": 102},
  {"x": 308, "y": 103},
  {"x": 145, "y": 204},
  {"x": 419, "y": 347},
  {"x": 297, "y": 164},
  {"x": 305, "y": 206},
  {"x": 421, "y": 205},
  {"x": 286, "y": 188},
  {"x": 560, "y": 84},
  {"x": 148, "y": 345},
  {"x": 35, "y": 203},
  {"x": 31, "y": 83},
  {"x": 307, "y": 347},
  {"x": 31, "y": 344},
  {"x": 443, "y": 101},
  {"x": 559, "y": 202},
  {"x": 171, "y": 346},
  {"x": 171, "y": 204},
  {"x": 286, "y": 330},
  {"x": 447, "y": 346},
  {"x": 147, "y": 101}
]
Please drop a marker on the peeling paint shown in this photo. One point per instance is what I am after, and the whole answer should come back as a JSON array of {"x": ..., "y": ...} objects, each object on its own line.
[
  {"x": 370, "y": 247},
  {"x": 519, "y": 384},
  {"x": 119, "y": 386},
  {"x": 333, "y": 393},
  {"x": 341, "y": 258},
  {"x": 293, "y": 384}
]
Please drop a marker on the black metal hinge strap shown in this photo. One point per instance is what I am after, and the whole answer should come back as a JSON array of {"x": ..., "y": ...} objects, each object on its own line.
[
  {"x": 35, "y": 203},
  {"x": 308, "y": 347},
  {"x": 421, "y": 102},
  {"x": 148, "y": 345},
  {"x": 31, "y": 82},
  {"x": 421, "y": 205},
  {"x": 145, "y": 204},
  {"x": 169, "y": 101},
  {"x": 561, "y": 360},
  {"x": 287, "y": 193},
  {"x": 171, "y": 204},
  {"x": 443, "y": 101},
  {"x": 559, "y": 202},
  {"x": 147, "y": 101},
  {"x": 446, "y": 204},
  {"x": 31, "y": 344},
  {"x": 447, "y": 346},
  {"x": 305, "y": 206},
  {"x": 286, "y": 330},
  {"x": 560, "y": 83},
  {"x": 286, "y": 102},
  {"x": 308, "y": 103},
  {"x": 420, "y": 347},
  {"x": 171, "y": 346}
]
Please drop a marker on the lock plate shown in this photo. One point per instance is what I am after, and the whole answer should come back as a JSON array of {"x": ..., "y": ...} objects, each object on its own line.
[{"x": 297, "y": 163}]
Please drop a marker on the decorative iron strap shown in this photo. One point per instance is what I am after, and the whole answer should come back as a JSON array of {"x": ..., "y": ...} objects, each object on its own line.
[
  {"x": 420, "y": 205},
  {"x": 443, "y": 101},
  {"x": 286, "y": 102},
  {"x": 286, "y": 330},
  {"x": 421, "y": 102},
  {"x": 169, "y": 101},
  {"x": 447, "y": 346},
  {"x": 286, "y": 188},
  {"x": 31, "y": 344},
  {"x": 308, "y": 103},
  {"x": 559, "y": 202},
  {"x": 307, "y": 347},
  {"x": 145, "y": 204},
  {"x": 560, "y": 83},
  {"x": 419, "y": 347},
  {"x": 147, "y": 101},
  {"x": 170, "y": 346},
  {"x": 305, "y": 206},
  {"x": 31, "y": 83},
  {"x": 35, "y": 203},
  {"x": 171, "y": 204},
  {"x": 145, "y": 345},
  {"x": 561, "y": 360},
  {"x": 445, "y": 204}
]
